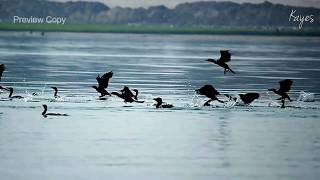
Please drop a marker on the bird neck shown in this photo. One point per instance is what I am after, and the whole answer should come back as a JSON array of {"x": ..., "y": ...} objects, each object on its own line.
[
  {"x": 136, "y": 95},
  {"x": 159, "y": 103},
  {"x": 11, "y": 92},
  {"x": 55, "y": 93},
  {"x": 44, "y": 111}
]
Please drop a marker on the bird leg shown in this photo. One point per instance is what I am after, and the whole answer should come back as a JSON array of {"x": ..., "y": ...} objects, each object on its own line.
[
  {"x": 282, "y": 101},
  {"x": 225, "y": 71},
  {"x": 231, "y": 71}
]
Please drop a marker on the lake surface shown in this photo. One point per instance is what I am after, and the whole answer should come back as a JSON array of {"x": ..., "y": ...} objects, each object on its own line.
[{"x": 108, "y": 139}]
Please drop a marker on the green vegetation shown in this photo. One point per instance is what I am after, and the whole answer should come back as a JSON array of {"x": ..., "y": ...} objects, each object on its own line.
[{"x": 158, "y": 29}]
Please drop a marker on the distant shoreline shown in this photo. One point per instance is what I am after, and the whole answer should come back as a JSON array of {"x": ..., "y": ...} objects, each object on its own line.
[{"x": 160, "y": 29}]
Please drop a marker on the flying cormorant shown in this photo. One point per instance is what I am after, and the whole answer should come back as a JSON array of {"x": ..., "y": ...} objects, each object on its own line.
[
  {"x": 160, "y": 103},
  {"x": 210, "y": 92},
  {"x": 45, "y": 114},
  {"x": 103, "y": 83},
  {"x": 225, "y": 57},
  {"x": 285, "y": 86}
]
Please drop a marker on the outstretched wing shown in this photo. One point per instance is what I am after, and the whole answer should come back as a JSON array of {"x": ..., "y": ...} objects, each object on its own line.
[
  {"x": 225, "y": 56},
  {"x": 285, "y": 85},
  {"x": 2, "y": 68},
  {"x": 103, "y": 81}
]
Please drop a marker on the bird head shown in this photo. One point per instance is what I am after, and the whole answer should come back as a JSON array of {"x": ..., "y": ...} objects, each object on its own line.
[{"x": 55, "y": 88}]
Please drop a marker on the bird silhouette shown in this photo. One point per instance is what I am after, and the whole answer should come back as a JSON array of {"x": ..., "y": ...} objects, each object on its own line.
[
  {"x": 225, "y": 56},
  {"x": 55, "y": 92},
  {"x": 245, "y": 98},
  {"x": 103, "y": 83},
  {"x": 130, "y": 93},
  {"x": 45, "y": 114},
  {"x": 2, "y": 68},
  {"x": 285, "y": 86},
  {"x": 11, "y": 92},
  {"x": 126, "y": 95},
  {"x": 210, "y": 92},
  {"x": 161, "y": 104}
]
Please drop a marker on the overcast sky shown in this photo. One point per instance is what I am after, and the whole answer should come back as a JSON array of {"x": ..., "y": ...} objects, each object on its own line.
[{"x": 172, "y": 3}]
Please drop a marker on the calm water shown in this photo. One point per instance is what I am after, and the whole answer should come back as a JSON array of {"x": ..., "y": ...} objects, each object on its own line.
[{"x": 108, "y": 139}]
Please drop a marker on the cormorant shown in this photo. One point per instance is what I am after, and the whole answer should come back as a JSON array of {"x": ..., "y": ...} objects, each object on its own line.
[
  {"x": 160, "y": 103},
  {"x": 11, "y": 92},
  {"x": 129, "y": 92},
  {"x": 103, "y": 82},
  {"x": 55, "y": 92},
  {"x": 45, "y": 114},
  {"x": 126, "y": 95},
  {"x": 210, "y": 92},
  {"x": 246, "y": 98},
  {"x": 2, "y": 68},
  {"x": 285, "y": 86},
  {"x": 225, "y": 57}
]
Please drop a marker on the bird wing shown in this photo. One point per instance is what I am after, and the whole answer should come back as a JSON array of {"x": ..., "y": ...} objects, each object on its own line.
[
  {"x": 103, "y": 81},
  {"x": 285, "y": 85},
  {"x": 2, "y": 68},
  {"x": 107, "y": 75},
  {"x": 225, "y": 56}
]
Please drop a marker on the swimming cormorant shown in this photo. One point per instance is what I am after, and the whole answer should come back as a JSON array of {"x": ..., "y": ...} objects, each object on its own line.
[
  {"x": 103, "y": 82},
  {"x": 2, "y": 68},
  {"x": 210, "y": 92},
  {"x": 45, "y": 114},
  {"x": 246, "y": 98},
  {"x": 55, "y": 92},
  {"x": 225, "y": 57},
  {"x": 11, "y": 92},
  {"x": 285, "y": 86},
  {"x": 160, "y": 103}
]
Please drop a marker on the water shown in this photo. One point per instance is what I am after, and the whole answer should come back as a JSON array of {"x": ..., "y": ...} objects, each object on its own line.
[{"x": 108, "y": 139}]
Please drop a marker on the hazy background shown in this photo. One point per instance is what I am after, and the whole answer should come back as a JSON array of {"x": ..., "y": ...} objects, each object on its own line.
[{"x": 172, "y": 3}]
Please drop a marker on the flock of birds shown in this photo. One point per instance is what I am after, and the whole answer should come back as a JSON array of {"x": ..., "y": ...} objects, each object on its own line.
[{"x": 130, "y": 96}]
